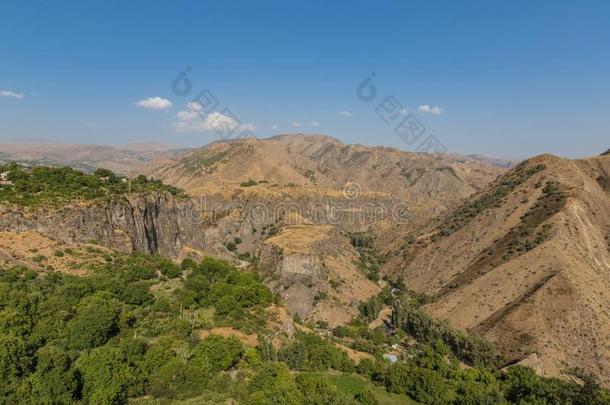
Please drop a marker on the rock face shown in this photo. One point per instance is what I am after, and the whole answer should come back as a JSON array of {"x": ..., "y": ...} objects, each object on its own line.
[
  {"x": 155, "y": 223},
  {"x": 313, "y": 267}
]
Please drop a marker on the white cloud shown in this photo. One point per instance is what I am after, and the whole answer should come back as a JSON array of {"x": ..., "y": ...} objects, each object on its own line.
[
  {"x": 194, "y": 106},
  {"x": 8, "y": 93},
  {"x": 155, "y": 103},
  {"x": 345, "y": 113},
  {"x": 296, "y": 124},
  {"x": 313, "y": 124},
  {"x": 193, "y": 119},
  {"x": 274, "y": 127},
  {"x": 404, "y": 111},
  {"x": 434, "y": 110}
]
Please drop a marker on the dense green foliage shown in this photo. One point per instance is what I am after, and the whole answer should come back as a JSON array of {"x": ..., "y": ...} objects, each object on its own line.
[
  {"x": 131, "y": 330},
  {"x": 369, "y": 309},
  {"x": 310, "y": 352},
  {"x": 468, "y": 348},
  {"x": 369, "y": 262},
  {"x": 431, "y": 375},
  {"x": 439, "y": 365},
  {"x": 56, "y": 185},
  {"x": 117, "y": 333}
]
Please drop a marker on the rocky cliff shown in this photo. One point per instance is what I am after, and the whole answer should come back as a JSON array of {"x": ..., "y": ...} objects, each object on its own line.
[
  {"x": 152, "y": 223},
  {"x": 314, "y": 269}
]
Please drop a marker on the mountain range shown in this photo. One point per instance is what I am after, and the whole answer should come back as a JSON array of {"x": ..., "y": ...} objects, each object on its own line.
[{"x": 518, "y": 253}]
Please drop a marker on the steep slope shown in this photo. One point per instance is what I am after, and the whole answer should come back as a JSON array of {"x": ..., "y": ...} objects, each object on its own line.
[
  {"x": 126, "y": 214},
  {"x": 156, "y": 223},
  {"x": 53, "y": 206},
  {"x": 317, "y": 163},
  {"x": 524, "y": 263},
  {"x": 313, "y": 267}
]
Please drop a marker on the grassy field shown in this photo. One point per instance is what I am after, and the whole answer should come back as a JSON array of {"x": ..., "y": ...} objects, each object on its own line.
[{"x": 352, "y": 384}]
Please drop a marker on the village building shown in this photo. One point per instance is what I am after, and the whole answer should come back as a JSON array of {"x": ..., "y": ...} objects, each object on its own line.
[{"x": 4, "y": 179}]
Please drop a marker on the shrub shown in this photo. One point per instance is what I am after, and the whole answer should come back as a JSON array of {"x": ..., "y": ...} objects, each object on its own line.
[
  {"x": 219, "y": 353},
  {"x": 95, "y": 322},
  {"x": 273, "y": 384},
  {"x": 105, "y": 375},
  {"x": 317, "y": 391},
  {"x": 248, "y": 183}
]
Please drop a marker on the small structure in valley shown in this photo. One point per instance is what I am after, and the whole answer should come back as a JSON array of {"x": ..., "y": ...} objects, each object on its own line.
[{"x": 4, "y": 179}]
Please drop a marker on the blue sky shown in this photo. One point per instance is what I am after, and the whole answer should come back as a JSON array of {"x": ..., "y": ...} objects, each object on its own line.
[{"x": 507, "y": 79}]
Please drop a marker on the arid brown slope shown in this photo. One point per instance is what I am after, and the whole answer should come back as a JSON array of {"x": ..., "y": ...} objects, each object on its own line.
[
  {"x": 525, "y": 263},
  {"x": 317, "y": 164},
  {"x": 285, "y": 185}
]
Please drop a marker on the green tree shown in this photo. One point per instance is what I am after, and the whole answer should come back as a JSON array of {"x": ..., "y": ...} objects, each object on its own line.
[
  {"x": 429, "y": 387},
  {"x": 95, "y": 322},
  {"x": 397, "y": 378},
  {"x": 105, "y": 173},
  {"x": 274, "y": 385},
  {"x": 477, "y": 386},
  {"x": 178, "y": 379},
  {"x": 15, "y": 362},
  {"x": 55, "y": 381},
  {"x": 220, "y": 353},
  {"x": 317, "y": 391},
  {"x": 105, "y": 374}
]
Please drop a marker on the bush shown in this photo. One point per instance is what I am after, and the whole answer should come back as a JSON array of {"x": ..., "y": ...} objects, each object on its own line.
[
  {"x": 309, "y": 352},
  {"x": 55, "y": 381},
  {"x": 367, "y": 397},
  {"x": 95, "y": 322},
  {"x": 105, "y": 375},
  {"x": 317, "y": 391},
  {"x": 218, "y": 353},
  {"x": 273, "y": 384},
  {"x": 248, "y": 183},
  {"x": 369, "y": 310}
]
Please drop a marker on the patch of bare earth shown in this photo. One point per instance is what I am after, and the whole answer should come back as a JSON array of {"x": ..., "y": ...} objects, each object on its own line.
[{"x": 35, "y": 251}]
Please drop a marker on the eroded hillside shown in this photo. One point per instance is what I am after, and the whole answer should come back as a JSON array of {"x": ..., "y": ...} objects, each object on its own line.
[
  {"x": 524, "y": 263},
  {"x": 322, "y": 166}
]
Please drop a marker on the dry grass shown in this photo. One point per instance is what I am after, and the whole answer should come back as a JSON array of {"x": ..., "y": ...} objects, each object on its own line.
[
  {"x": 248, "y": 340},
  {"x": 300, "y": 238},
  {"x": 550, "y": 298},
  {"x": 38, "y": 252}
]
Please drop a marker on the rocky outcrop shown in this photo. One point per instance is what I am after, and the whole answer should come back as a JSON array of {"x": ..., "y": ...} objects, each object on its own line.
[
  {"x": 156, "y": 223},
  {"x": 313, "y": 268}
]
